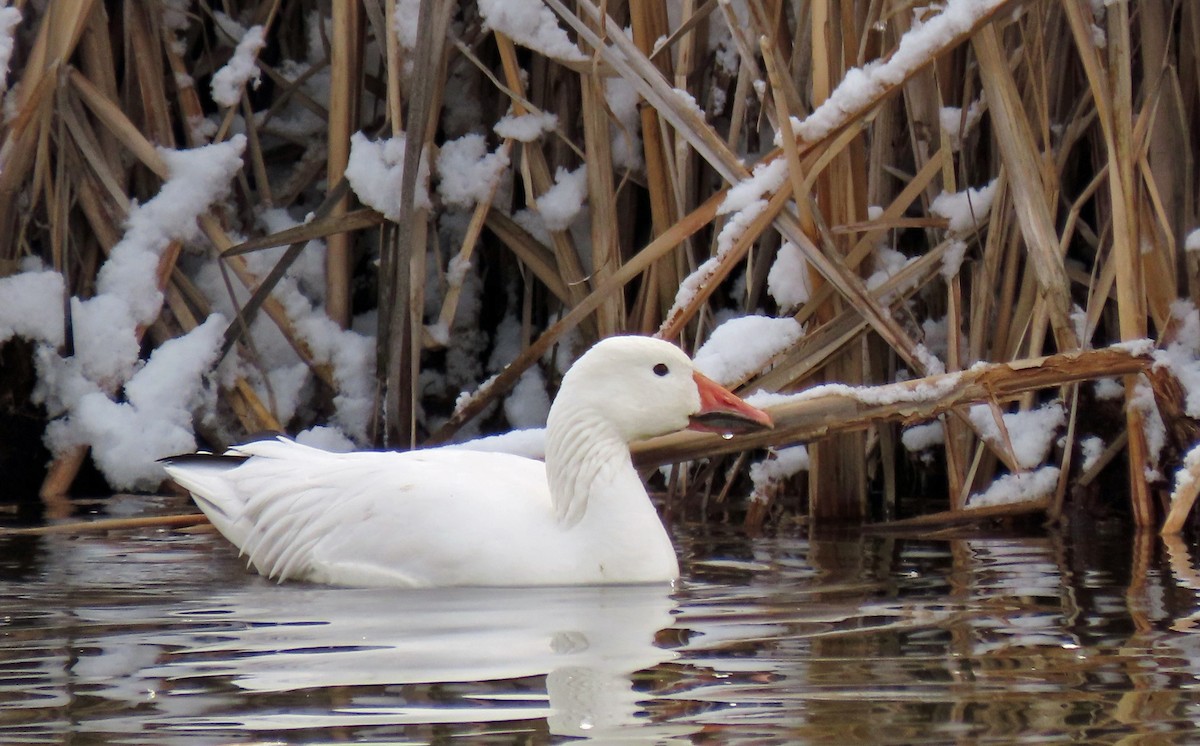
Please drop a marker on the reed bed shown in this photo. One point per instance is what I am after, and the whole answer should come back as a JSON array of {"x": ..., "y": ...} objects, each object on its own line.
[{"x": 1080, "y": 126}]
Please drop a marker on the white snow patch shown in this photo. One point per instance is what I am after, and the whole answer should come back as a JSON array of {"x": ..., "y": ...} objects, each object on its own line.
[
  {"x": 155, "y": 421},
  {"x": 1188, "y": 474},
  {"x": 10, "y": 18},
  {"x": 467, "y": 171},
  {"x": 920, "y": 437},
  {"x": 766, "y": 178},
  {"x": 405, "y": 22},
  {"x": 1152, "y": 423},
  {"x": 735, "y": 227},
  {"x": 31, "y": 306},
  {"x": 862, "y": 85},
  {"x": 525, "y": 128},
  {"x": 1017, "y": 488},
  {"x": 966, "y": 210},
  {"x": 325, "y": 437},
  {"x": 744, "y": 346},
  {"x": 1031, "y": 432},
  {"x": 1092, "y": 447},
  {"x": 562, "y": 203},
  {"x": 1182, "y": 356},
  {"x": 229, "y": 82},
  {"x": 1109, "y": 389},
  {"x": 887, "y": 263},
  {"x": 530, "y": 23},
  {"x": 622, "y": 99},
  {"x": 956, "y": 126},
  {"x": 77, "y": 389},
  {"x": 376, "y": 173},
  {"x": 789, "y": 281},
  {"x": 952, "y": 259},
  {"x": 769, "y": 474}
]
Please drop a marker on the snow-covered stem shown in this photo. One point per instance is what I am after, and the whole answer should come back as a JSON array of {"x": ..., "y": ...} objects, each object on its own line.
[{"x": 833, "y": 408}]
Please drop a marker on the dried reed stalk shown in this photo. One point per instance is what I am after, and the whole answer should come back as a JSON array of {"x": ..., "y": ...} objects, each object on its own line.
[
  {"x": 1094, "y": 192},
  {"x": 819, "y": 415}
]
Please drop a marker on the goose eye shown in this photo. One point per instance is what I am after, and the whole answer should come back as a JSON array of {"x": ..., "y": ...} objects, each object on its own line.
[{"x": 661, "y": 369}]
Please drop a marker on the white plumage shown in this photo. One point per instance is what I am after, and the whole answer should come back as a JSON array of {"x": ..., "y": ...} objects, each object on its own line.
[{"x": 444, "y": 517}]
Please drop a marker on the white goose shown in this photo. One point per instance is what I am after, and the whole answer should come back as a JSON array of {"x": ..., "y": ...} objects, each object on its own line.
[{"x": 447, "y": 517}]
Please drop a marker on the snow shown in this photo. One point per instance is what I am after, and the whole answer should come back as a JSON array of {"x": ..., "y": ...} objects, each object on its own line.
[
  {"x": 935, "y": 335},
  {"x": 326, "y": 438},
  {"x": 1017, "y": 488},
  {"x": 1182, "y": 356},
  {"x": 952, "y": 259},
  {"x": 688, "y": 101},
  {"x": 1135, "y": 347},
  {"x": 888, "y": 262},
  {"x": 1109, "y": 389},
  {"x": 1192, "y": 242},
  {"x": 562, "y": 203},
  {"x": 525, "y": 128},
  {"x": 886, "y": 395},
  {"x": 31, "y": 306},
  {"x": 155, "y": 421},
  {"x": 198, "y": 177},
  {"x": 622, "y": 99},
  {"x": 930, "y": 364},
  {"x": 456, "y": 270},
  {"x": 919, "y": 437},
  {"x": 769, "y": 474},
  {"x": 1031, "y": 432},
  {"x": 467, "y": 171},
  {"x": 1079, "y": 322},
  {"x": 766, "y": 178},
  {"x": 528, "y": 404},
  {"x": 789, "y": 281},
  {"x": 966, "y": 210},
  {"x": 229, "y": 82},
  {"x": 405, "y": 22},
  {"x": 376, "y": 172},
  {"x": 744, "y": 346},
  {"x": 1092, "y": 447},
  {"x": 10, "y": 18},
  {"x": 861, "y": 86},
  {"x": 953, "y": 124},
  {"x": 1152, "y": 423},
  {"x": 175, "y": 14},
  {"x": 1188, "y": 474},
  {"x": 737, "y": 225},
  {"x": 531, "y": 24}
]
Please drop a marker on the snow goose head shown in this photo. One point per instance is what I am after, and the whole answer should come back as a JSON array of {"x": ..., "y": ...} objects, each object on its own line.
[
  {"x": 621, "y": 390},
  {"x": 643, "y": 387}
]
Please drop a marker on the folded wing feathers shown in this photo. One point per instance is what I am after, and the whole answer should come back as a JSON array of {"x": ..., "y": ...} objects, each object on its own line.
[{"x": 286, "y": 517}]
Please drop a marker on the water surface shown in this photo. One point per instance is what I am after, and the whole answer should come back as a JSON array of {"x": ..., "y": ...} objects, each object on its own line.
[{"x": 163, "y": 637}]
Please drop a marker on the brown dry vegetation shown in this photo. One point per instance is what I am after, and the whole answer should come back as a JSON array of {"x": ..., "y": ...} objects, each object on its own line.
[{"x": 1092, "y": 146}]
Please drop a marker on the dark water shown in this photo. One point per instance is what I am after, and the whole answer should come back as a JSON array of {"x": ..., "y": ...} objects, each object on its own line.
[{"x": 161, "y": 637}]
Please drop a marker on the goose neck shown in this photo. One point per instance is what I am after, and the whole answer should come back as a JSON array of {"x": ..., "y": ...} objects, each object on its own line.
[{"x": 583, "y": 450}]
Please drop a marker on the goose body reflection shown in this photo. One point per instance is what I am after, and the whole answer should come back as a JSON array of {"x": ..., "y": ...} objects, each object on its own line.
[
  {"x": 454, "y": 517},
  {"x": 586, "y": 641}
]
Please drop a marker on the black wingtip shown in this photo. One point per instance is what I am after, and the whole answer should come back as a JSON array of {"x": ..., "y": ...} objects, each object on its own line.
[{"x": 202, "y": 457}]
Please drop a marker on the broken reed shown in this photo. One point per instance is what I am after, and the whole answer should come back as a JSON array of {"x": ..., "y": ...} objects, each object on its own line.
[{"x": 1092, "y": 145}]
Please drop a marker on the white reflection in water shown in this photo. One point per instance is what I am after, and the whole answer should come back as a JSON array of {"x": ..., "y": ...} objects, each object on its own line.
[
  {"x": 162, "y": 638},
  {"x": 586, "y": 641}
]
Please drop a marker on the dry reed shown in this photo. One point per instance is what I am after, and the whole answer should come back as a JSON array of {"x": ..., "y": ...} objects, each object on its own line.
[{"x": 1086, "y": 126}]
